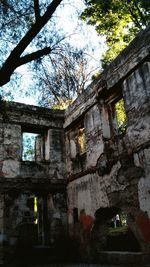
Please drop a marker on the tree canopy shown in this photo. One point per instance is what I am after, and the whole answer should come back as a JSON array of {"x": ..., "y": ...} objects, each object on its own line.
[
  {"x": 118, "y": 20},
  {"x": 15, "y": 58},
  {"x": 31, "y": 32},
  {"x": 64, "y": 76}
]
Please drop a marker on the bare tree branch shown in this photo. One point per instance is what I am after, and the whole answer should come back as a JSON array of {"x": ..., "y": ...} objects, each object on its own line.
[
  {"x": 34, "y": 56},
  {"x": 50, "y": 86},
  {"x": 36, "y": 9},
  {"x": 11, "y": 62}
]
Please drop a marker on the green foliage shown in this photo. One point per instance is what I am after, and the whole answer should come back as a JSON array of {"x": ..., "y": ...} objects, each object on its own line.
[
  {"x": 121, "y": 116},
  {"x": 118, "y": 20},
  {"x": 63, "y": 104},
  {"x": 117, "y": 230},
  {"x": 28, "y": 152}
]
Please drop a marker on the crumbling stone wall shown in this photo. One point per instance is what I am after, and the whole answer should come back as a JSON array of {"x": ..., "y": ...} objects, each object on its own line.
[
  {"x": 19, "y": 118},
  {"x": 114, "y": 171},
  {"x": 86, "y": 167},
  {"x": 33, "y": 211}
]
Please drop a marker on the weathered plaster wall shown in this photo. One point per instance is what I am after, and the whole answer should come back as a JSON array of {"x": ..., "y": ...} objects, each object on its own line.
[
  {"x": 22, "y": 214},
  {"x": 142, "y": 159},
  {"x": 33, "y": 208},
  {"x": 138, "y": 135},
  {"x": 82, "y": 151},
  {"x": 114, "y": 170},
  {"x": 93, "y": 126},
  {"x": 18, "y": 118},
  {"x": 10, "y": 149},
  {"x": 136, "y": 90},
  {"x": 2, "y": 237}
]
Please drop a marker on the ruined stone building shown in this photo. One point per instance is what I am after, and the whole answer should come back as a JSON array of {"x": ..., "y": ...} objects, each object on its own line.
[{"x": 88, "y": 166}]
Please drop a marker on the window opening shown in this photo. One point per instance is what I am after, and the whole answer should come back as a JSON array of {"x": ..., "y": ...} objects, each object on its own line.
[
  {"x": 28, "y": 143},
  {"x": 117, "y": 115},
  {"x": 82, "y": 141},
  {"x": 35, "y": 210},
  {"x": 34, "y": 146},
  {"x": 41, "y": 221},
  {"x": 78, "y": 147},
  {"x": 121, "y": 116}
]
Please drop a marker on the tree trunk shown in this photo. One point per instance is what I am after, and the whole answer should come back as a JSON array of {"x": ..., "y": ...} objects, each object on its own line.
[{"x": 14, "y": 59}]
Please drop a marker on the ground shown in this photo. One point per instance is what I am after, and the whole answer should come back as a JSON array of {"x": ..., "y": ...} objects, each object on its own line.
[{"x": 87, "y": 265}]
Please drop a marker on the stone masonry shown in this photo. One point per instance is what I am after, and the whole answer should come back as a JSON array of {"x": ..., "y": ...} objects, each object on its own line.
[
  {"x": 87, "y": 168},
  {"x": 33, "y": 193},
  {"x": 112, "y": 174}
]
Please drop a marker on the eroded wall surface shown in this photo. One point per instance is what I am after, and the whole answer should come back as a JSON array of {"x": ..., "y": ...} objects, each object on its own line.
[
  {"x": 108, "y": 166},
  {"x": 33, "y": 211},
  {"x": 91, "y": 164}
]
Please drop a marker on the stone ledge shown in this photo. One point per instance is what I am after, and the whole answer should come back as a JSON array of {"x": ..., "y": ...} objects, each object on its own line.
[
  {"x": 38, "y": 185},
  {"x": 124, "y": 257}
]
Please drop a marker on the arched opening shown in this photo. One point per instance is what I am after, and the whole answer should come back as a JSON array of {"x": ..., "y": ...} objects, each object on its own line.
[{"x": 111, "y": 232}]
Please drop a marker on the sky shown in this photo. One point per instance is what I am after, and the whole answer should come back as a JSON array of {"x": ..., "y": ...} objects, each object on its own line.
[{"x": 79, "y": 34}]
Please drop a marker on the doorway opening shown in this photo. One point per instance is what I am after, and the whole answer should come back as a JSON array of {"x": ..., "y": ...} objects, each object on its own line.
[
  {"x": 41, "y": 221},
  {"x": 111, "y": 231}
]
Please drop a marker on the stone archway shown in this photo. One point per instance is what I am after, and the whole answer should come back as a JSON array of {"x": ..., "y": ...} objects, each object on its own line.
[{"x": 111, "y": 232}]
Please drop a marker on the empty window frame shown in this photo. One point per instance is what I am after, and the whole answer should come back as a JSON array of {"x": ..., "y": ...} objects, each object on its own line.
[
  {"x": 81, "y": 140},
  {"x": 117, "y": 114},
  {"x": 28, "y": 146},
  {"x": 34, "y": 146},
  {"x": 121, "y": 115},
  {"x": 39, "y": 208},
  {"x": 77, "y": 139}
]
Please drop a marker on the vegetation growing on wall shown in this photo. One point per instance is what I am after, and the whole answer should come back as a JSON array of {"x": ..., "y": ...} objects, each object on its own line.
[
  {"x": 121, "y": 115},
  {"x": 119, "y": 21}
]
